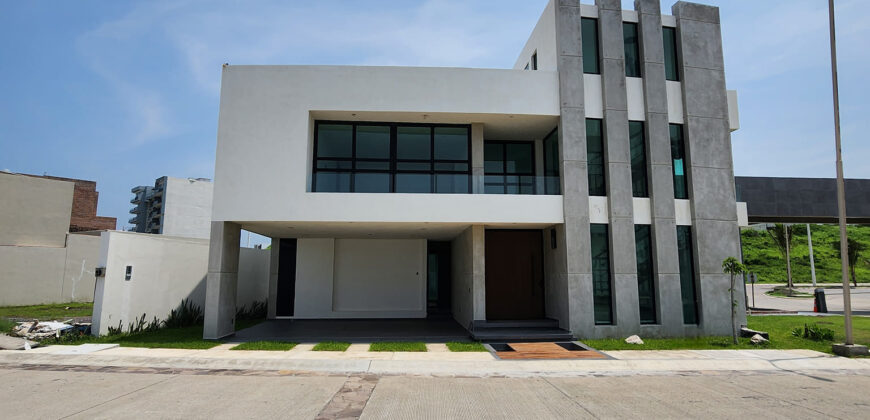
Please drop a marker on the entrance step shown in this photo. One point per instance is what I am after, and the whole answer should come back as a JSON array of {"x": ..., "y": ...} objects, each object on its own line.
[{"x": 519, "y": 331}]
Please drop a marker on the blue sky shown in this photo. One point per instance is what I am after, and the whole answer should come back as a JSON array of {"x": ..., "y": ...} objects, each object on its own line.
[{"x": 124, "y": 92}]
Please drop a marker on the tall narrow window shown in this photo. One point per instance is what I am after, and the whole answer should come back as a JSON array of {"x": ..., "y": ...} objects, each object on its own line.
[
  {"x": 589, "y": 35},
  {"x": 372, "y": 163},
  {"x": 678, "y": 156},
  {"x": 669, "y": 36},
  {"x": 451, "y": 148},
  {"x": 638, "y": 159},
  {"x": 632, "y": 49},
  {"x": 687, "y": 275},
  {"x": 413, "y": 159},
  {"x": 334, "y": 160},
  {"x": 595, "y": 157},
  {"x": 535, "y": 60},
  {"x": 551, "y": 163},
  {"x": 601, "y": 290},
  {"x": 509, "y": 167},
  {"x": 646, "y": 294}
]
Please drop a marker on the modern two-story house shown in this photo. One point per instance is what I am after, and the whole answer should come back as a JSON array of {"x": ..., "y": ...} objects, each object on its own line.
[{"x": 590, "y": 185}]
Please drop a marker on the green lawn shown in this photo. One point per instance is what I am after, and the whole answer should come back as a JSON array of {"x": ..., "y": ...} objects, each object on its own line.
[
  {"x": 50, "y": 312},
  {"x": 779, "y": 327},
  {"x": 762, "y": 257},
  {"x": 265, "y": 345},
  {"x": 331, "y": 346},
  {"x": 6, "y": 325},
  {"x": 398, "y": 346},
  {"x": 465, "y": 347},
  {"x": 794, "y": 295}
]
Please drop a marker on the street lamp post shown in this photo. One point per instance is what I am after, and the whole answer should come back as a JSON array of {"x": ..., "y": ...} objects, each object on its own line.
[{"x": 848, "y": 348}]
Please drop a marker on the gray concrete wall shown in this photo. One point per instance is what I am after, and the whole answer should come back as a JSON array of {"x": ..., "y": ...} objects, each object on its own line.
[
  {"x": 34, "y": 211},
  {"x": 711, "y": 175},
  {"x": 468, "y": 276},
  {"x": 165, "y": 271}
]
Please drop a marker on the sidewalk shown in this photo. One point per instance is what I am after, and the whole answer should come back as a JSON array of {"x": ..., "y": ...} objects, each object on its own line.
[{"x": 438, "y": 363}]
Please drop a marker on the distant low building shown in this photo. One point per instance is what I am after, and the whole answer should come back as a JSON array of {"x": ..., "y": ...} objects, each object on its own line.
[
  {"x": 173, "y": 207},
  {"x": 46, "y": 256}
]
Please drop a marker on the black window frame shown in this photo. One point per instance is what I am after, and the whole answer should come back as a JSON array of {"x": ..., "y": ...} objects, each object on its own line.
[
  {"x": 678, "y": 150},
  {"x": 646, "y": 275},
  {"x": 639, "y": 166},
  {"x": 632, "y": 69},
  {"x": 505, "y": 174},
  {"x": 589, "y": 164},
  {"x": 599, "y": 299},
  {"x": 393, "y": 160},
  {"x": 594, "y": 65},
  {"x": 689, "y": 299},
  {"x": 671, "y": 54}
]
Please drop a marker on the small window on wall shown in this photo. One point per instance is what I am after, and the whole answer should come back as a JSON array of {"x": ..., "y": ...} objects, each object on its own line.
[
  {"x": 535, "y": 60},
  {"x": 638, "y": 159},
  {"x": 680, "y": 166},
  {"x": 595, "y": 157},
  {"x": 632, "y": 49},
  {"x": 601, "y": 288},
  {"x": 589, "y": 37},
  {"x": 670, "y": 43}
]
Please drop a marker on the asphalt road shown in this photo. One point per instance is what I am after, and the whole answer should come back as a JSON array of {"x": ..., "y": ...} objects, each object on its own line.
[
  {"x": 833, "y": 297},
  {"x": 51, "y": 392}
]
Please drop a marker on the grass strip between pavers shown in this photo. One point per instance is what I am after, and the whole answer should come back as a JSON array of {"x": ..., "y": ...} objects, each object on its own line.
[
  {"x": 398, "y": 346},
  {"x": 458, "y": 346},
  {"x": 265, "y": 346},
  {"x": 331, "y": 346}
]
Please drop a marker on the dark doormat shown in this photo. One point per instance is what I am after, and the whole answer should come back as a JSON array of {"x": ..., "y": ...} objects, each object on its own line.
[{"x": 545, "y": 351}]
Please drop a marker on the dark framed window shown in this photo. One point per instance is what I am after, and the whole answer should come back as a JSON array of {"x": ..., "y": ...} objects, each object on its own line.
[
  {"x": 687, "y": 275},
  {"x": 589, "y": 37},
  {"x": 632, "y": 49},
  {"x": 601, "y": 289},
  {"x": 509, "y": 167},
  {"x": 680, "y": 164},
  {"x": 669, "y": 38},
  {"x": 535, "y": 60},
  {"x": 646, "y": 292},
  {"x": 637, "y": 144},
  {"x": 377, "y": 157},
  {"x": 552, "y": 183},
  {"x": 595, "y": 157}
]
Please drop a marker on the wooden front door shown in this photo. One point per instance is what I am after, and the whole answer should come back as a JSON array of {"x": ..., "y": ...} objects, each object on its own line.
[{"x": 514, "y": 274}]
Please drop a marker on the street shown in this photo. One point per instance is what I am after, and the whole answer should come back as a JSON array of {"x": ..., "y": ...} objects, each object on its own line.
[
  {"x": 41, "y": 391},
  {"x": 833, "y": 297}
]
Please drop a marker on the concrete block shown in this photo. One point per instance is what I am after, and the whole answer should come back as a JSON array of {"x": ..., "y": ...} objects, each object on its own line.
[
  {"x": 619, "y": 190},
  {"x": 704, "y": 93},
  {"x": 712, "y": 140},
  {"x": 608, "y": 5},
  {"x": 662, "y": 191},
  {"x": 577, "y": 248},
  {"x": 715, "y": 304},
  {"x": 617, "y": 148},
  {"x": 572, "y": 135},
  {"x": 575, "y": 183},
  {"x": 694, "y": 11},
  {"x": 220, "y": 305},
  {"x": 613, "y": 84},
  {"x": 571, "y": 81},
  {"x": 610, "y": 34},
  {"x": 670, "y": 304},
  {"x": 651, "y": 7},
  {"x": 664, "y": 233},
  {"x": 715, "y": 241},
  {"x": 658, "y": 139},
  {"x": 622, "y": 247},
  {"x": 850, "y": 350},
  {"x": 568, "y": 31},
  {"x": 701, "y": 45},
  {"x": 654, "y": 88},
  {"x": 713, "y": 194},
  {"x": 223, "y": 255},
  {"x": 580, "y": 305},
  {"x": 651, "y": 45},
  {"x": 626, "y": 307}
]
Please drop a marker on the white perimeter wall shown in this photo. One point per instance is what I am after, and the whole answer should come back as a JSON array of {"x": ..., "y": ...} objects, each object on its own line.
[
  {"x": 360, "y": 278},
  {"x": 165, "y": 271},
  {"x": 33, "y": 275},
  {"x": 187, "y": 208}
]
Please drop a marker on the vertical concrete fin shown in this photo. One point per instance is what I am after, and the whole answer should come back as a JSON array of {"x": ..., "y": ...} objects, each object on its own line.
[{"x": 222, "y": 280}]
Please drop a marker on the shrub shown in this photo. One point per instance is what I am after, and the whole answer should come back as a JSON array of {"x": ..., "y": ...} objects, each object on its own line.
[
  {"x": 187, "y": 314},
  {"x": 813, "y": 332},
  {"x": 256, "y": 311}
]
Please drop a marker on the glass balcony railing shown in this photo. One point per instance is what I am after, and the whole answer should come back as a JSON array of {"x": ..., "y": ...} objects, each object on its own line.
[{"x": 437, "y": 183}]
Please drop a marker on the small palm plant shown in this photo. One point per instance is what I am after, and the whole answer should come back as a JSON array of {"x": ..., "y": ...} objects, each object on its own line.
[
  {"x": 782, "y": 236},
  {"x": 854, "y": 249},
  {"x": 733, "y": 267}
]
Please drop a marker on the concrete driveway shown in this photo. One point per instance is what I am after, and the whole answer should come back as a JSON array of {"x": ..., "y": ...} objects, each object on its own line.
[
  {"x": 834, "y": 298},
  {"x": 51, "y": 392}
]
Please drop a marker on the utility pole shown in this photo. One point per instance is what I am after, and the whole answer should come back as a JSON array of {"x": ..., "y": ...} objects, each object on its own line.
[
  {"x": 812, "y": 258},
  {"x": 848, "y": 348}
]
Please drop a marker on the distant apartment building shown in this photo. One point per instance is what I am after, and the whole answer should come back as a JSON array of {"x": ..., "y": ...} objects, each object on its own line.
[
  {"x": 49, "y": 244},
  {"x": 590, "y": 187},
  {"x": 173, "y": 207}
]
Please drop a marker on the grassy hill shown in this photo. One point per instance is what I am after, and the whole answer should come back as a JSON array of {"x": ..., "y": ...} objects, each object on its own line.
[{"x": 762, "y": 257}]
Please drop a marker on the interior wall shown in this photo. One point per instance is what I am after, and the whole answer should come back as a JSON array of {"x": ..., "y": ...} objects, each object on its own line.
[{"x": 360, "y": 278}]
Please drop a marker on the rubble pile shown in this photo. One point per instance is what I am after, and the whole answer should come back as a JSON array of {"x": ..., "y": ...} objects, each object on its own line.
[{"x": 36, "y": 330}]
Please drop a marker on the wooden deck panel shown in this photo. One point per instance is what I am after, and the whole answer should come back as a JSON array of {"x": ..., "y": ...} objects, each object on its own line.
[{"x": 543, "y": 351}]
